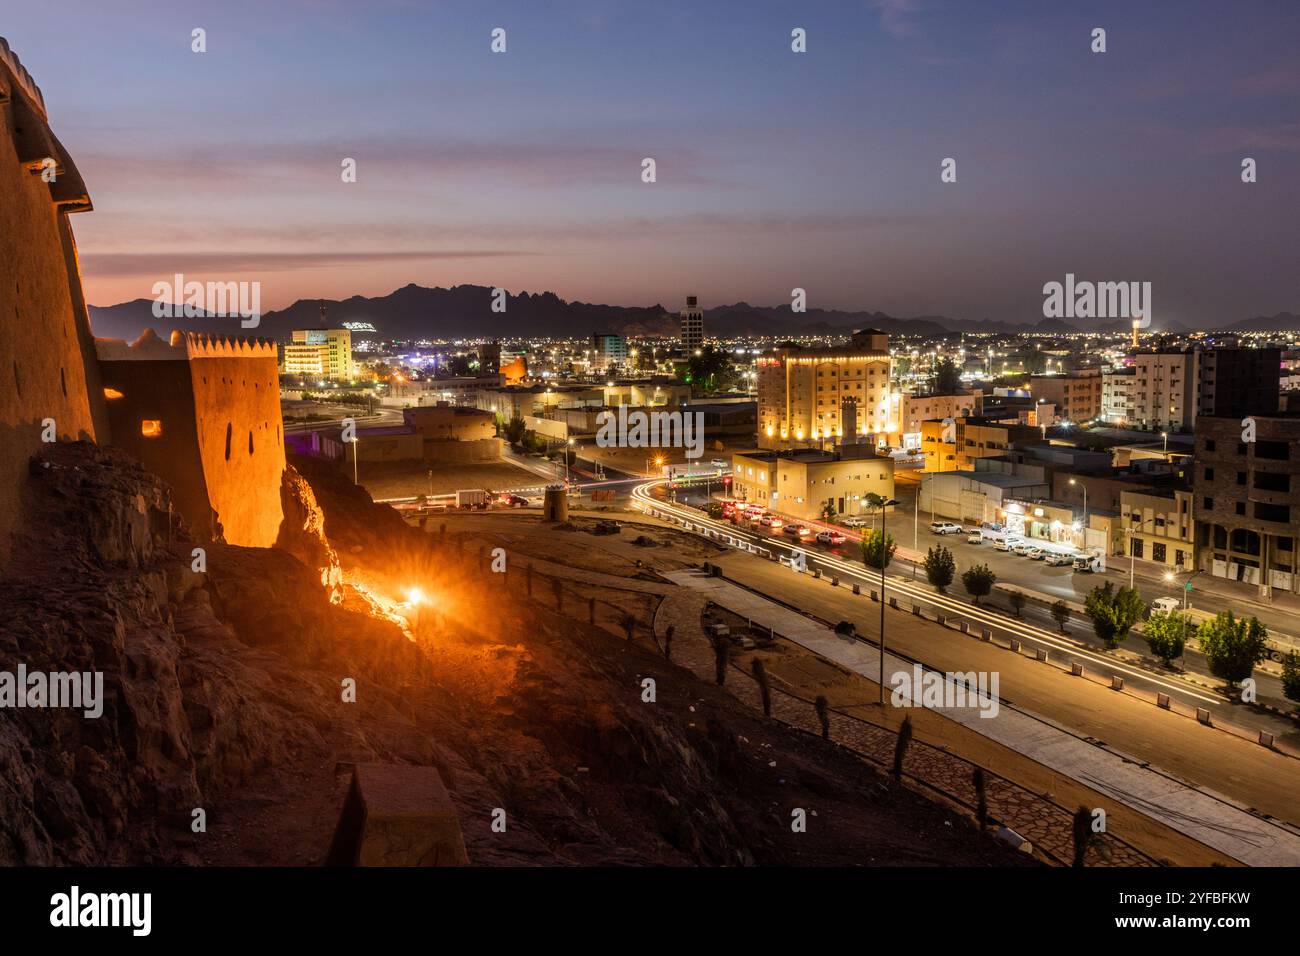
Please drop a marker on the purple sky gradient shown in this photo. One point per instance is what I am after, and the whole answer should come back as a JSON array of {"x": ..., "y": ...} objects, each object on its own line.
[{"x": 776, "y": 170}]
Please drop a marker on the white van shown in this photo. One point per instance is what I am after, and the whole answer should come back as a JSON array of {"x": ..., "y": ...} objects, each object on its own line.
[{"x": 1164, "y": 605}]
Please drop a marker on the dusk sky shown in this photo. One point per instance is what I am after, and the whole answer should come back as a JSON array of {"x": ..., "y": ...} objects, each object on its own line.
[{"x": 775, "y": 169}]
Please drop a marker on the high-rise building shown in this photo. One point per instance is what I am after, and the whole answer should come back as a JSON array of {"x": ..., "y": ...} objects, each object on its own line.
[
  {"x": 1117, "y": 395},
  {"x": 1173, "y": 387},
  {"x": 610, "y": 350},
  {"x": 692, "y": 318},
  {"x": 320, "y": 353},
  {"x": 802, "y": 392},
  {"x": 1238, "y": 382},
  {"x": 1164, "y": 390},
  {"x": 1247, "y": 500}
]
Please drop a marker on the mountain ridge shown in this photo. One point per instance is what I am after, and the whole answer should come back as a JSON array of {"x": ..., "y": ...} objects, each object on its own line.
[{"x": 421, "y": 312}]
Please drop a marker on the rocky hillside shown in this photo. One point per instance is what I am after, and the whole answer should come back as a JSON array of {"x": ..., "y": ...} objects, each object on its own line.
[{"x": 223, "y": 694}]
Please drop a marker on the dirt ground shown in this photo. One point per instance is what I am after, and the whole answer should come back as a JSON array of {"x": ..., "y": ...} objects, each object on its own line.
[
  {"x": 808, "y": 675},
  {"x": 405, "y": 479}
]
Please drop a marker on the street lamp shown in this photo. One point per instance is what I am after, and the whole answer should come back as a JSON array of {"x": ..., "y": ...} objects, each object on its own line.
[
  {"x": 877, "y": 501},
  {"x": 1085, "y": 509},
  {"x": 1165, "y": 436}
]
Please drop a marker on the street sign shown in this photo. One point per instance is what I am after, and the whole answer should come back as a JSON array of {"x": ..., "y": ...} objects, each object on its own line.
[{"x": 1187, "y": 586}]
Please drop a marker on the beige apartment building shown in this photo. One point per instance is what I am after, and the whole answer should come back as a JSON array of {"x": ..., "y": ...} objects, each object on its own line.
[
  {"x": 802, "y": 482},
  {"x": 917, "y": 409},
  {"x": 1077, "y": 396},
  {"x": 810, "y": 396},
  {"x": 954, "y": 446},
  {"x": 1157, "y": 526}
]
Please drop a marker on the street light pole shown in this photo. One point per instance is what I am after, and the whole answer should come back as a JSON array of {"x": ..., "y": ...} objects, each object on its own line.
[
  {"x": 916, "y": 519},
  {"x": 884, "y": 559}
]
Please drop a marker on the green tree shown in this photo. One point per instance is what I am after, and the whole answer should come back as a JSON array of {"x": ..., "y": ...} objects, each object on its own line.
[
  {"x": 978, "y": 580},
  {"x": 514, "y": 430},
  {"x": 877, "y": 552},
  {"x": 828, "y": 510},
  {"x": 1291, "y": 676},
  {"x": 1061, "y": 614},
  {"x": 1166, "y": 634},
  {"x": 1113, "y": 613},
  {"x": 713, "y": 509},
  {"x": 1232, "y": 645},
  {"x": 940, "y": 567},
  {"x": 946, "y": 378},
  {"x": 710, "y": 371}
]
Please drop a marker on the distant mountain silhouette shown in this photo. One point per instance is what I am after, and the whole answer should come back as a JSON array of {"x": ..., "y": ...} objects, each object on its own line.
[{"x": 465, "y": 311}]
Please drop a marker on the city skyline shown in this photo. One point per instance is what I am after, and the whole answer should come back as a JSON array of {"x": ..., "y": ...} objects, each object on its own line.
[{"x": 775, "y": 170}]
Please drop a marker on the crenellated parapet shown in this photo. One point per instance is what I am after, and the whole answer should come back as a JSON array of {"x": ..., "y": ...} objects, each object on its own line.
[
  {"x": 201, "y": 345},
  {"x": 184, "y": 346}
]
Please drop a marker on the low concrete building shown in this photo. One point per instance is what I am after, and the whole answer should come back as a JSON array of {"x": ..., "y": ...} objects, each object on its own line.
[{"x": 803, "y": 482}]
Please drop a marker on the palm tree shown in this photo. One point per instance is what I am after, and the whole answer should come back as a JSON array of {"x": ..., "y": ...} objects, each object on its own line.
[
  {"x": 760, "y": 675},
  {"x": 900, "y": 746}
]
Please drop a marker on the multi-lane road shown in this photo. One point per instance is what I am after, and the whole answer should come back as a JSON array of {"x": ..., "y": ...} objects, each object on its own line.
[{"x": 1035, "y": 630}]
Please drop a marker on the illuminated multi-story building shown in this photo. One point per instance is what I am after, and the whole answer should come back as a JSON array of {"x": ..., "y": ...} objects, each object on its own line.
[
  {"x": 810, "y": 396},
  {"x": 692, "y": 318},
  {"x": 320, "y": 353}
]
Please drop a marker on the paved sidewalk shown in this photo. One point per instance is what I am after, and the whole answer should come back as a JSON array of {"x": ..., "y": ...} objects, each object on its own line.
[{"x": 1196, "y": 813}]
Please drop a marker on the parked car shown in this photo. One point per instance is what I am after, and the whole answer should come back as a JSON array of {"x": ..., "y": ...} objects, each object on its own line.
[
  {"x": 1059, "y": 559},
  {"x": 798, "y": 531},
  {"x": 770, "y": 521},
  {"x": 1087, "y": 563},
  {"x": 944, "y": 527},
  {"x": 1005, "y": 543},
  {"x": 855, "y": 521},
  {"x": 830, "y": 537},
  {"x": 974, "y": 537},
  {"x": 1021, "y": 548},
  {"x": 1035, "y": 554}
]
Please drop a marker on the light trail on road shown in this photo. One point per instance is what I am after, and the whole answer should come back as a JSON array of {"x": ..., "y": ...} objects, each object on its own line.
[{"x": 641, "y": 497}]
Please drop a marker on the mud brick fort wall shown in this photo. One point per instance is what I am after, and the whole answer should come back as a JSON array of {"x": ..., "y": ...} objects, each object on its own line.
[
  {"x": 203, "y": 413},
  {"x": 47, "y": 368}
]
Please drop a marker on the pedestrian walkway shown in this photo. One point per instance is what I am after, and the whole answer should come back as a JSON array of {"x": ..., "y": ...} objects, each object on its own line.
[{"x": 1199, "y": 815}]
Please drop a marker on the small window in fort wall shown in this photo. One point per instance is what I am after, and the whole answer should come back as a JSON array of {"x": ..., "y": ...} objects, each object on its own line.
[
  {"x": 250, "y": 442},
  {"x": 229, "y": 433},
  {"x": 151, "y": 428},
  {"x": 112, "y": 394}
]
